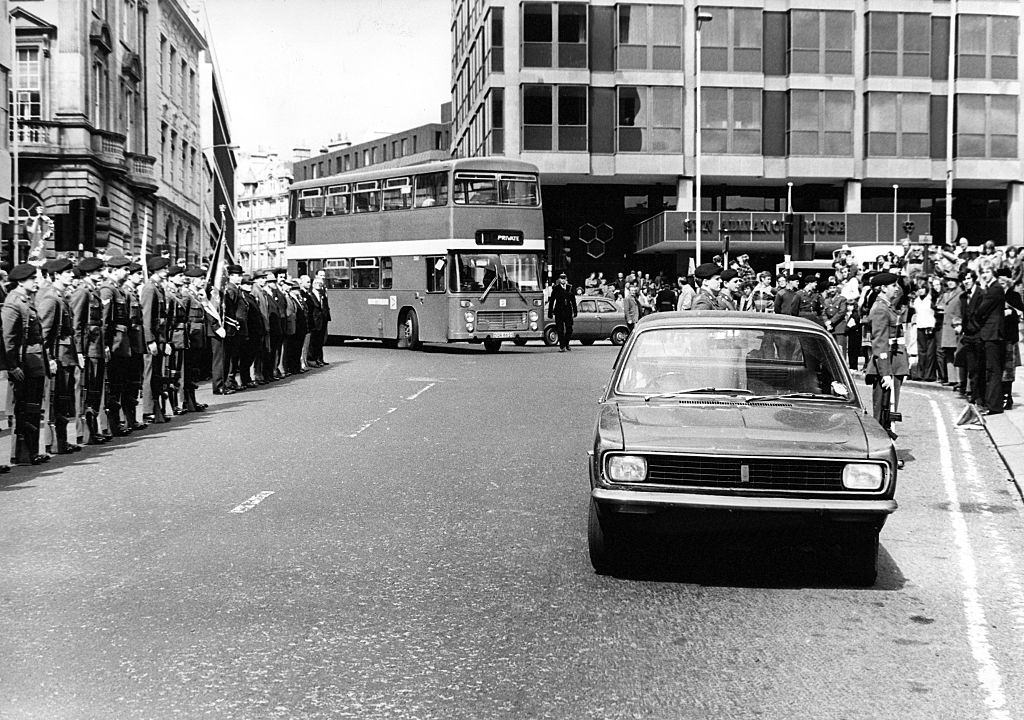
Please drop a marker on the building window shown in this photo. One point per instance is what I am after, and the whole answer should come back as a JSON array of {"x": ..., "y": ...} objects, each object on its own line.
[
  {"x": 100, "y": 92},
  {"x": 537, "y": 29},
  {"x": 127, "y": 21},
  {"x": 554, "y": 117},
  {"x": 128, "y": 108},
  {"x": 537, "y": 117},
  {"x": 731, "y": 42},
  {"x": 172, "y": 64},
  {"x": 497, "y": 39},
  {"x": 173, "y": 157},
  {"x": 731, "y": 121},
  {"x": 572, "y": 35},
  {"x": 986, "y": 126},
  {"x": 821, "y": 122},
  {"x": 497, "y": 121},
  {"x": 649, "y": 37},
  {"x": 539, "y": 38},
  {"x": 899, "y": 44},
  {"x": 572, "y": 118},
  {"x": 821, "y": 42},
  {"x": 30, "y": 85},
  {"x": 898, "y": 124},
  {"x": 650, "y": 119},
  {"x": 163, "y": 151},
  {"x": 987, "y": 47}
]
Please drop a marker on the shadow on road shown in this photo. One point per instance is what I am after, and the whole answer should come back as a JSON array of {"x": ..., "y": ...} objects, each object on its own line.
[
  {"x": 754, "y": 560},
  {"x": 450, "y": 349}
]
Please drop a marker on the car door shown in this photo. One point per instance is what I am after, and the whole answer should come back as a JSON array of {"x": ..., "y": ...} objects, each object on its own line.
[
  {"x": 587, "y": 321},
  {"x": 610, "y": 316}
]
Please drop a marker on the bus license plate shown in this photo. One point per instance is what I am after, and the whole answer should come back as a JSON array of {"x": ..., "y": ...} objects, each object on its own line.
[{"x": 503, "y": 334}]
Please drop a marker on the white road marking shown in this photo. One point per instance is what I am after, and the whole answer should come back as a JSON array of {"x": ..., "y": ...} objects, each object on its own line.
[
  {"x": 989, "y": 676},
  {"x": 371, "y": 423},
  {"x": 422, "y": 390},
  {"x": 252, "y": 502}
]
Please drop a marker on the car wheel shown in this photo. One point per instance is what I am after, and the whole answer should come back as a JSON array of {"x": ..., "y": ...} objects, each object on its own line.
[
  {"x": 602, "y": 540},
  {"x": 519, "y": 342},
  {"x": 492, "y": 346},
  {"x": 550, "y": 336},
  {"x": 588, "y": 341},
  {"x": 409, "y": 331},
  {"x": 619, "y": 335},
  {"x": 860, "y": 551}
]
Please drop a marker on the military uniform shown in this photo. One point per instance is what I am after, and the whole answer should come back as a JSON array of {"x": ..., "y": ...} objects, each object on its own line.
[
  {"x": 59, "y": 340},
  {"x": 135, "y": 369},
  {"x": 89, "y": 319},
  {"x": 117, "y": 341},
  {"x": 154, "y": 329},
  {"x": 888, "y": 358},
  {"x": 27, "y": 365},
  {"x": 705, "y": 300},
  {"x": 174, "y": 364},
  {"x": 196, "y": 344}
]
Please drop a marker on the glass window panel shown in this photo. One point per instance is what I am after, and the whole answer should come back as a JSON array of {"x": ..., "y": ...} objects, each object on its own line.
[
  {"x": 746, "y": 109},
  {"x": 1004, "y": 146},
  {"x": 882, "y": 28},
  {"x": 970, "y": 114},
  {"x": 1003, "y": 115},
  {"x": 747, "y": 27},
  {"x": 914, "y": 113},
  {"x": 668, "y": 58},
  {"x": 970, "y": 146},
  {"x": 804, "y": 110},
  {"x": 667, "y": 25},
  {"x": 838, "y": 111},
  {"x": 714, "y": 141},
  {"x": 839, "y": 30},
  {"x": 715, "y": 110},
  {"x": 537, "y": 104},
  {"x": 882, "y": 112},
  {"x": 536, "y": 54},
  {"x": 917, "y": 64},
  {"x": 537, "y": 22},
  {"x": 746, "y": 142},
  {"x": 632, "y": 110},
  {"x": 632, "y": 57},
  {"x": 882, "y": 144},
  {"x": 572, "y": 23},
  {"x": 971, "y": 33},
  {"x": 1004, "y": 35},
  {"x": 917, "y": 32},
  {"x": 805, "y": 29},
  {"x": 714, "y": 59},
  {"x": 666, "y": 140},
  {"x": 915, "y": 145},
  {"x": 805, "y": 61},
  {"x": 572, "y": 138},
  {"x": 537, "y": 137},
  {"x": 633, "y": 25},
  {"x": 1004, "y": 68},
  {"x": 631, "y": 139},
  {"x": 803, "y": 142},
  {"x": 716, "y": 32},
  {"x": 883, "y": 64},
  {"x": 572, "y": 105},
  {"x": 668, "y": 108},
  {"x": 838, "y": 143}
]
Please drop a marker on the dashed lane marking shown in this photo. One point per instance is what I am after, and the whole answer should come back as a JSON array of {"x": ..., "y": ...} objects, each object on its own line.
[
  {"x": 989, "y": 676},
  {"x": 251, "y": 502},
  {"x": 421, "y": 391},
  {"x": 371, "y": 423}
]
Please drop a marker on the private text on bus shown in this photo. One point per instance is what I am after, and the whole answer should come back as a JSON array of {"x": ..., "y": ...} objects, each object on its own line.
[{"x": 440, "y": 252}]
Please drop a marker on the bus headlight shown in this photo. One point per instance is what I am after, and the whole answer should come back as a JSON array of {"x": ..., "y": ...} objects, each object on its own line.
[
  {"x": 533, "y": 326},
  {"x": 534, "y": 317},
  {"x": 469, "y": 317},
  {"x": 469, "y": 327},
  {"x": 627, "y": 468},
  {"x": 863, "y": 476}
]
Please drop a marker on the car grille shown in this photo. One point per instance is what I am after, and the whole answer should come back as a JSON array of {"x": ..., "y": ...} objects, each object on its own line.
[
  {"x": 497, "y": 320},
  {"x": 761, "y": 473}
]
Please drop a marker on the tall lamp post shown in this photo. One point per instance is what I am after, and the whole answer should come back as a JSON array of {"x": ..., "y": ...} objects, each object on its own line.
[
  {"x": 895, "y": 191},
  {"x": 702, "y": 17},
  {"x": 203, "y": 229}
]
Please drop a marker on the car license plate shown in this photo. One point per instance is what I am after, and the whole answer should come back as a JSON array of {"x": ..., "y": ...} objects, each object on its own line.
[{"x": 503, "y": 334}]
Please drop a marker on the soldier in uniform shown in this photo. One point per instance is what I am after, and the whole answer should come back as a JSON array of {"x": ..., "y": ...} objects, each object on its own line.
[
  {"x": 196, "y": 337},
  {"x": 732, "y": 284},
  {"x": 888, "y": 364},
  {"x": 154, "y": 330},
  {"x": 59, "y": 339},
  {"x": 562, "y": 309},
  {"x": 709, "y": 275},
  {"x": 89, "y": 319},
  {"x": 27, "y": 362},
  {"x": 137, "y": 345},
  {"x": 252, "y": 340},
  {"x": 178, "y": 332},
  {"x": 116, "y": 340}
]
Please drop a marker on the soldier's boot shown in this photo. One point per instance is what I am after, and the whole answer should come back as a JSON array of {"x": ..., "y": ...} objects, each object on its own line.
[
  {"x": 31, "y": 437},
  {"x": 172, "y": 392},
  {"x": 1008, "y": 395},
  {"x": 114, "y": 422},
  {"x": 192, "y": 387},
  {"x": 131, "y": 417},
  {"x": 189, "y": 405},
  {"x": 93, "y": 429}
]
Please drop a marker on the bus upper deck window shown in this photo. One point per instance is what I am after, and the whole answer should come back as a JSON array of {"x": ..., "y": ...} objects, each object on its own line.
[{"x": 431, "y": 189}]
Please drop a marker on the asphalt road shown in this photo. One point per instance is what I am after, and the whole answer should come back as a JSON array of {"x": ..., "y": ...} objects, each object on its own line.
[{"x": 423, "y": 555}]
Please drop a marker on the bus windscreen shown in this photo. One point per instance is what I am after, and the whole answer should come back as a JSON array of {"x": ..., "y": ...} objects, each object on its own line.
[{"x": 498, "y": 272}]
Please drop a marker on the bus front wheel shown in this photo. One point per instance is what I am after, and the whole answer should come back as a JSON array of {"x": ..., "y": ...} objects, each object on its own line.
[
  {"x": 492, "y": 346},
  {"x": 409, "y": 331}
]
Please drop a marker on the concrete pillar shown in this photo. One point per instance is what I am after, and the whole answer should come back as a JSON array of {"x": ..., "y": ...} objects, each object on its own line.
[
  {"x": 684, "y": 194},
  {"x": 852, "y": 196},
  {"x": 1015, "y": 214}
]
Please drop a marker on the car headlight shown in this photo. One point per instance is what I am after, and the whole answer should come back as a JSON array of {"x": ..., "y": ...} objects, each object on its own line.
[
  {"x": 533, "y": 326},
  {"x": 862, "y": 476},
  {"x": 469, "y": 327},
  {"x": 534, "y": 316},
  {"x": 469, "y": 317},
  {"x": 627, "y": 468}
]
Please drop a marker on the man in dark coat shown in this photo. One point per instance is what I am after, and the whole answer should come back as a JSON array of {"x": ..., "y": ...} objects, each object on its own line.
[
  {"x": 27, "y": 362},
  {"x": 59, "y": 339},
  {"x": 320, "y": 290},
  {"x": 225, "y": 349},
  {"x": 985, "y": 322},
  {"x": 562, "y": 309},
  {"x": 90, "y": 319},
  {"x": 154, "y": 330},
  {"x": 883, "y": 370},
  {"x": 1011, "y": 332},
  {"x": 137, "y": 343}
]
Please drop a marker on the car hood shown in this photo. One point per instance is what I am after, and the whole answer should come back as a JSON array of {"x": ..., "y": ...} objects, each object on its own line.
[{"x": 800, "y": 429}]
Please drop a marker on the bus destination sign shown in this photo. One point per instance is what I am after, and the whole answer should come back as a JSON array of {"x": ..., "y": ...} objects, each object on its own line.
[{"x": 499, "y": 237}]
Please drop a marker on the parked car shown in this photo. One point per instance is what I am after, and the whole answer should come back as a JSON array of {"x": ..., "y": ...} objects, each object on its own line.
[
  {"x": 713, "y": 419},
  {"x": 598, "y": 319}
]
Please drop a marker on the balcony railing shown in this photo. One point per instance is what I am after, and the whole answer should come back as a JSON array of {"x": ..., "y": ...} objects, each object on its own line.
[
  {"x": 36, "y": 133},
  {"x": 109, "y": 146},
  {"x": 141, "y": 169}
]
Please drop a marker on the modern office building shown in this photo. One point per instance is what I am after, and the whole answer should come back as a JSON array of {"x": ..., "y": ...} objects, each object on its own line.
[
  {"x": 845, "y": 100},
  {"x": 420, "y": 144}
]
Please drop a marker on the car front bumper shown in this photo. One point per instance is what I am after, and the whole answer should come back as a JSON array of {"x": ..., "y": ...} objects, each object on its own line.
[{"x": 652, "y": 501}]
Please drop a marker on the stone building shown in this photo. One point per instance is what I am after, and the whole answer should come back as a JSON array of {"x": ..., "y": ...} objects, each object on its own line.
[{"x": 263, "y": 180}]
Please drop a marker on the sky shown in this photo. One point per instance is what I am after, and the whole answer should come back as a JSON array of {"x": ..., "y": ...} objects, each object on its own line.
[{"x": 297, "y": 73}]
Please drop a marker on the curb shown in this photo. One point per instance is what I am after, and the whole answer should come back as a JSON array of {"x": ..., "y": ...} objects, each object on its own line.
[{"x": 1002, "y": 433}]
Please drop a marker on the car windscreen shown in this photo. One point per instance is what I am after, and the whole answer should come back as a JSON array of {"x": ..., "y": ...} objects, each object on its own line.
[
  {"x": 501, "y": 272},
  {"x": 748, "y": 361}
]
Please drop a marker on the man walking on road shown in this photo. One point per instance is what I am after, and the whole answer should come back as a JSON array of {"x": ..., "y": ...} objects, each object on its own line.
[{"x": 562, "y": 309}]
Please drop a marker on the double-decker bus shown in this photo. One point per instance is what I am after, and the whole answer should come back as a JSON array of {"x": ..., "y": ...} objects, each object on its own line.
[{"x": 440, "y": 252}]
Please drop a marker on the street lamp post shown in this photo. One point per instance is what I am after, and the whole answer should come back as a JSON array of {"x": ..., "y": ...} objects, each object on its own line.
[
  {"x": 702, "y": 17},
  {"x": 895, "y": 191}
]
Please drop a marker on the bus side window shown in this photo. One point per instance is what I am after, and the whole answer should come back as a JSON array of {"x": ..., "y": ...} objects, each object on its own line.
[
  {"x": 435, "y": 273},
  {"x": 431, "y": 189},
  {"x": 386, "y": 273}
]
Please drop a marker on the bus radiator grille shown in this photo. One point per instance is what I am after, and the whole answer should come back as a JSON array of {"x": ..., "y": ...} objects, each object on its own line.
[{"x": 497, "y": 320}]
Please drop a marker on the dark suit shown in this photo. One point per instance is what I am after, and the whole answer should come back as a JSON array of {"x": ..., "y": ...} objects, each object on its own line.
[
  {"x": 985, "y": 318},
  {"x": 89, "y": 319},
  {"x": 562, "y": 307},
  {"x": 154, "y": 330}
]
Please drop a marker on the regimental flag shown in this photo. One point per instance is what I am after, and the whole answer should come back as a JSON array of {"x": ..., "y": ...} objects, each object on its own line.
[
  {"x": 39, "y": 230},
  {"x": 216, "y": 276}
]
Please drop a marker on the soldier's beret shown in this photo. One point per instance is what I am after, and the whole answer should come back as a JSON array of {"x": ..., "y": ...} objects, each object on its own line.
[
  {"x": 155, "y": 262},
  {"x": 729, "y": 274},
  {"x": 175, "y": 270},
  {"x": 22, "y": 272},
  {"x": 90, "y": 264},
  {"x": 707, "y": 271},
  {"x": 792, "y": 277},
  {"x": 57, "y": 265},
  {"x": 194, "y": 272},
  {"x": 884, "y": 278},
  {"x": 235, "y": 270},
  {"x": 116, "y": 261},
  {"x": 134, "y": 268}
]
